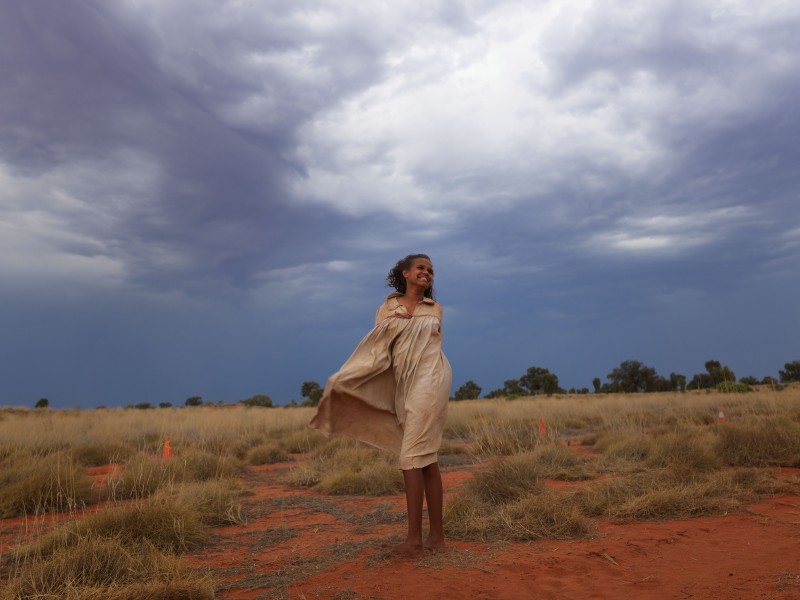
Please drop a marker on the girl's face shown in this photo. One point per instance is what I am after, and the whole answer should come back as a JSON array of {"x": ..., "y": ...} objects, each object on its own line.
[{"x": 420, "y": 273}]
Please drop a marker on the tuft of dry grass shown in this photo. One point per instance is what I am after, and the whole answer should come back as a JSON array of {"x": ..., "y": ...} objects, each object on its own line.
[
  {"x": 692, "y": 448},
  {"x": 505, "y": 480},
  {"x": 144, "y": 473},
  {"x": 97, "y": 454},
  {"x": 555, "y": 461},
  {"x": 127, "y": 552},
  {"x": 508, "y": 501},
  {"x": 299, "y": 440},
  {"x": 266, "y": 454},
  {"x": 534, "y": 515},
  {"x": 346, "y": 467},
  {"x": 676, "y": 492},
  {"x": 95, "y": 568},
  {"x": 624, "y": 448},
  {"x": 503, "y": 437},
  {"x": 773, "y": 441},
  {"x": 172, "y": 521},
  {"x": 547, "y": 515},
  {"x": 37, "y": 485}
]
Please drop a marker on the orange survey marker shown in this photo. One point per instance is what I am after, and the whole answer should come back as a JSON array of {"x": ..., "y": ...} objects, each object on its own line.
[
  {"x": 721, "y": 415},
  {"x": 542, "y": 427},
  {"x": 167, "y": 453}
]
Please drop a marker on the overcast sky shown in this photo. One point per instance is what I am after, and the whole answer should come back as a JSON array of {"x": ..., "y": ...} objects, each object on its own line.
[{"x": 203, "y": 197}]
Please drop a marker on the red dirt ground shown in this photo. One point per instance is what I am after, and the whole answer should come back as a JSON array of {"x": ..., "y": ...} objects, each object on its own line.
[
  {"x": 299, "y": 544},
  {"x": 294, "y": 547}
]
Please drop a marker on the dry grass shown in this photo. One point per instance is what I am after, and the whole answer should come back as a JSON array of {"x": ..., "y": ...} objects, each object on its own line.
[
  {"x": 94, "y": 568},
  {"x": 774, "y": 441},
  {"x": 676, "y": 492},
  {"x": 626, "y": 451},
  {"x": 299, "y": 440},
  {"x": 662, "y": 456},
  {"x": 36, "y": 485},
  {"x": 540, "y": 514},
  {"x": 144, "y": 473},
  {"x": 508, "y": 501},
  {"x": 217, "y": 430},
  {"x": 126, "y": 552},
  {"x": 555, "y": 461},
  {"x": 266, "y": 454},
  {"x": 173, "y": 521},
  {"x": 345, "y": 467}
]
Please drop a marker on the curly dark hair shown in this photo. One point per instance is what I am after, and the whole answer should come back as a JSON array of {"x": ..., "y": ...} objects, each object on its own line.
[{"x": 395, "y": 277}]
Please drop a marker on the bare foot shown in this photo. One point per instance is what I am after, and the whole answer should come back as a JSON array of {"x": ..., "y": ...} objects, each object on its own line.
[{"x": 408, "y": 549}]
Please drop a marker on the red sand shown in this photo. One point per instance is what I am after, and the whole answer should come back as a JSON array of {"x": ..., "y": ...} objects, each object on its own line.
[
  {"x": 285, "y": 550},
  {"x": 754, "y": 554}
]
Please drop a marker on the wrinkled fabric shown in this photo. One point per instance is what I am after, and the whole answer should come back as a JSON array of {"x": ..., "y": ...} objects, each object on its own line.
[{"x": 392, "y": 392}]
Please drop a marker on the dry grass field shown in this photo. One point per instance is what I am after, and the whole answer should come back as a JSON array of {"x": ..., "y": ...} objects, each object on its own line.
[{"x": 254, "y": 504}]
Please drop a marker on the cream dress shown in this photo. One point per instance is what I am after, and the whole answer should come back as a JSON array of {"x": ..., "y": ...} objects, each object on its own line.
[{"x": 392, "y": 392}]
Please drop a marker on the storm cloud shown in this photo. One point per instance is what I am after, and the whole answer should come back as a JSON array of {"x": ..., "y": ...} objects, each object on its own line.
[{"x": 204, "y": 197}]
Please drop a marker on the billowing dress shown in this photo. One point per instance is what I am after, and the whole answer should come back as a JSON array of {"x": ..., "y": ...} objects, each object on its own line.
[{"x": 392, "y": 392}]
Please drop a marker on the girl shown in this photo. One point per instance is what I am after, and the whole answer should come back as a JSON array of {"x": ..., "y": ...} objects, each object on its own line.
[{"x": 393, "y": 390}]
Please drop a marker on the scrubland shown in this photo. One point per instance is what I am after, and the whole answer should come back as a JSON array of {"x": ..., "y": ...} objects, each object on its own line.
[{"x": 541, "y": 468}]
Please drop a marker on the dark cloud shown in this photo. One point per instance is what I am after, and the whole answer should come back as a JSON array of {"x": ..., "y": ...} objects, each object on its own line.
[{"x": 594, "y": 184}]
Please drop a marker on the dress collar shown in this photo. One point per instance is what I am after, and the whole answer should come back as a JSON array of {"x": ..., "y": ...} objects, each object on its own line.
[{"x": 398, "y": 295}]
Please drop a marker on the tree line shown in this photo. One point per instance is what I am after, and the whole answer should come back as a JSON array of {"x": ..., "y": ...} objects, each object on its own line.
[{"x": 631, "y": 376}]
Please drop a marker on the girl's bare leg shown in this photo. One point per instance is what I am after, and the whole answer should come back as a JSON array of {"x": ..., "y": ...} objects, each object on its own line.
[
  {"x": 415, "y": 493},
  {"x": 434, "y": 494}
]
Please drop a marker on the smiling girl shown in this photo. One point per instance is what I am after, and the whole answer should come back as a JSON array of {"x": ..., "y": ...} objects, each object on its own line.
[{"x": 392, "y": 393}]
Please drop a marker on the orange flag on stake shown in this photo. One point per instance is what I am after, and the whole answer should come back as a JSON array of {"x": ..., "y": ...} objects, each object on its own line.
[
  {"x": 167, "y": 454},
  {"x": 542, "y": 427}
]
